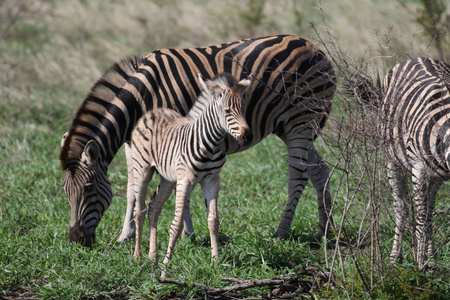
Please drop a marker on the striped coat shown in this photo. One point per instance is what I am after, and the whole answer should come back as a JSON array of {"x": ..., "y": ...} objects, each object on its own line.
[
  {"x": 186, "y": 151},
  {"x": 416, "y": 126},
  {"x": 291, "y": 98}
]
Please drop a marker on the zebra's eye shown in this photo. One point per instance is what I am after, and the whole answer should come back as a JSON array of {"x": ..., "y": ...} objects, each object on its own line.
[
  {"x": 89, "y": 187},
  {"x": 227, "y": 110}
]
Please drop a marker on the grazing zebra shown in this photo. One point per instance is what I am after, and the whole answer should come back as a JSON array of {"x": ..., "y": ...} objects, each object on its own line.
[
  {"x": 295, "y": 83},
  {"x": 186, "y": 151},
  {"x": 416, "y": 124}
]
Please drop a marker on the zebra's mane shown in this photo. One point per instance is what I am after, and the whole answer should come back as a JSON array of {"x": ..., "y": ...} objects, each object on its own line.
[
  {"x": 104, "y": 90},
  {"x": 224, "y": 81}
]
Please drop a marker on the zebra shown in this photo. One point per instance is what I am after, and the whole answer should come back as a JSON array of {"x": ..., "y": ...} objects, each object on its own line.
[
  {"x": 186, "y": 151},
  {"x": 295, "y": 84},
  {"x": 416, "y": 126}
]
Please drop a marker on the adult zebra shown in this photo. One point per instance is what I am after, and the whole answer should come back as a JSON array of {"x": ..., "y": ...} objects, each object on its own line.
[
  {"x": 416, "y": 125},
  {"x": 291, "y": 97}
]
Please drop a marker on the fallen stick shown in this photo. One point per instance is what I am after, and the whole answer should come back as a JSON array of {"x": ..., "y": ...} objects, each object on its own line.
[
  {"x": 289, "y": 281},
  {"x": 243, "y": 284}
]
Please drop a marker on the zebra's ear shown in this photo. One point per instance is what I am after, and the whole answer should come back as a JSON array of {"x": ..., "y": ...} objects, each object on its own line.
[
  {"x": 64, "y": 139},
  {"x": 91, "y": 153},
  {"x": 244, "y": 84}
]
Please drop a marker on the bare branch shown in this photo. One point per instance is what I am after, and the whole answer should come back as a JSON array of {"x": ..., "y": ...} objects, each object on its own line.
[{"x": 284, "y": 285}]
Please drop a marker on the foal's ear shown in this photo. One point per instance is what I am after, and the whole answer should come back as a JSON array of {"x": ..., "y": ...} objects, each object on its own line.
[
  {"x": 244, "y": 84},
  {"x": 202, "y": 82}
]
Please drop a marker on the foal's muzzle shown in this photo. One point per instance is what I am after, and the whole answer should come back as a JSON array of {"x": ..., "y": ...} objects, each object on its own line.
[{"x": 245, "y": 136}]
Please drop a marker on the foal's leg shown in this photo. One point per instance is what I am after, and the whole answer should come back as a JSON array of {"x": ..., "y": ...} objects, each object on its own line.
[
  {"x": 154, "y": 210},
  {"x": 210, "y": 187},
  {"x": 183, "y": 191}
]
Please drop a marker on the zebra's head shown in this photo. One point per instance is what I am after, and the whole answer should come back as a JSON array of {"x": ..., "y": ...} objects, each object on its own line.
[
  {"x": 228, "y": 92},
  {"x": 88, "y": 191}
]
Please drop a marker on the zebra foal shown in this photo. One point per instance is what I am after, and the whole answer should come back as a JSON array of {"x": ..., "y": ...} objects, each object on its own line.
[
  {"x": 186, "y": 151},
  {"x": 416, "y": 125}
]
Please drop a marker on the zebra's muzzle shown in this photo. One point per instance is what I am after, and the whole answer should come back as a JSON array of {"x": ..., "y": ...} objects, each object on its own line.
[
  {"x": 77, "y": 235},
  {"x": 245, "y": 137}
]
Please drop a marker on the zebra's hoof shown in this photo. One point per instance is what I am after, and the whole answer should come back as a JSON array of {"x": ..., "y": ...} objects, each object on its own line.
[
  {"x": 280, "y": 235},
  {"x": 190, "y": 236}
]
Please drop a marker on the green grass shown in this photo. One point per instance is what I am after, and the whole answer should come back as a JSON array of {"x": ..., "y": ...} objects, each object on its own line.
[{"x": 49, "y": 59}]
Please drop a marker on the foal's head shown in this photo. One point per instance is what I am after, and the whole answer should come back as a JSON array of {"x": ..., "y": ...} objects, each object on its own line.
[{"x": 228, "y": 93}]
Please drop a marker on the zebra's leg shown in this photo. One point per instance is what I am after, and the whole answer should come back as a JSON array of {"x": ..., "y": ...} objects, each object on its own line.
[
  {"x": 155, "y": 206},
  {"x": 188, "y": 227},
  {"x": 210, "y": 187},
  {"x": 142, "y": 178},
  {"x": 129, "y": 227},
  {"x": 425, "y": 190},
  {"x": 402, "y": 202},
  {"x": 434, "y": 188},
  {"x": 298, "y": 146},
  {"x": 318, "y": 173},
  {"x": 183, "y": 191}
]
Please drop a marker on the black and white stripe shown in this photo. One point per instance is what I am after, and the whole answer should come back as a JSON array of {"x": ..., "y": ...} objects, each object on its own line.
[
  {"x": 186, "y": 151},
  {"x": 416, "y": 126},
  {"x": 292, "y": 95}
]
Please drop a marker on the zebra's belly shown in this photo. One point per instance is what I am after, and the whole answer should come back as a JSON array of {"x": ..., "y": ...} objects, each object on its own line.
[{"x": 410, "y": 157}]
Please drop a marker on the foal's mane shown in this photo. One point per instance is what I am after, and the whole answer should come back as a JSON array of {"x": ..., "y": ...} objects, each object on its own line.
[{"x": 224, "y": 80}]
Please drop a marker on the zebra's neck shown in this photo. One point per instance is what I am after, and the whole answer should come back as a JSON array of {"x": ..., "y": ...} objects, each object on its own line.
[
  {"x": 201, "y": 104},
  {"x": 107, "y": 115},
  {"x": 210, "y": 128}
]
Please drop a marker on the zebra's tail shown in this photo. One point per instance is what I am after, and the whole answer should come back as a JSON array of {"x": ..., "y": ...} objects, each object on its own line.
[{"x": 362, "y": 88}]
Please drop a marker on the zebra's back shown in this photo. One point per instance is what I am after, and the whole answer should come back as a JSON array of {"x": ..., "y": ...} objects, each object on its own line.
[{"x": 296, "y": 80}]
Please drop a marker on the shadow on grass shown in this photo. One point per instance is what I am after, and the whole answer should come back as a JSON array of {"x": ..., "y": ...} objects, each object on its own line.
[{"x": 311, "y": 240}]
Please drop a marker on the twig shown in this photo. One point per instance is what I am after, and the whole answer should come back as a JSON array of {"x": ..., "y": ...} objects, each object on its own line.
[
  {"x": 441, "y": 212},
  {"x": 243, "y": 284},
  {"x": 291, "y": 283}
]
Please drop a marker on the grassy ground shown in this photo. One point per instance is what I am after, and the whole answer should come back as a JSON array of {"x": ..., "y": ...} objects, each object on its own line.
[{"x": 51, "y": 52}]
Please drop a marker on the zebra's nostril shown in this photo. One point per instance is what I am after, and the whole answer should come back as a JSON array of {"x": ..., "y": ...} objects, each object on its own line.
[{"x": 246, "y": 135}]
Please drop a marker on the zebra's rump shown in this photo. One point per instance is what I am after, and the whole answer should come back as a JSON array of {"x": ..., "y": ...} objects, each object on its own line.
[{"x": 416, "y": 112}]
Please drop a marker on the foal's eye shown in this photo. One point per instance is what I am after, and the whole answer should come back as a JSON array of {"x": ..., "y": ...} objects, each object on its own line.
[{"x": 89, "y": 187}]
